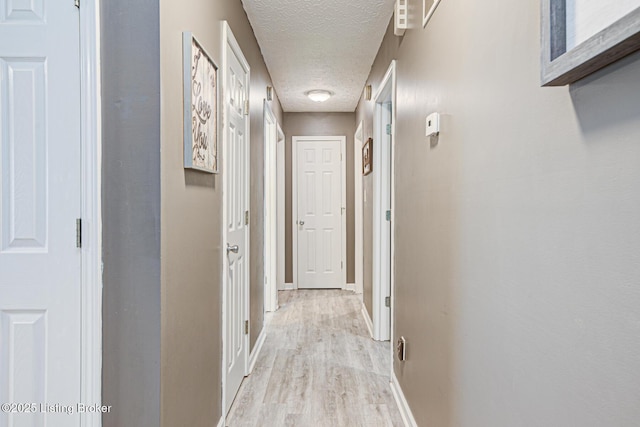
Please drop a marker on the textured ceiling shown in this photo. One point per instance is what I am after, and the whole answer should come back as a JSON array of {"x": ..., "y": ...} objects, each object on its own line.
[{"x": 319, "y": 44}]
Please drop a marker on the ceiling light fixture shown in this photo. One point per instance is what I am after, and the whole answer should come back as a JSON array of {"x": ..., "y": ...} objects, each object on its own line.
[{"x": 319, "y": 95}]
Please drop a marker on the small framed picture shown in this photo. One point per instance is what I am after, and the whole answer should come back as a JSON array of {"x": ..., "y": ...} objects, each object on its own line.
[
  {"x": 367, "y": 157},
  {"x": 428, "y": 7},
  {"x": 200, "y": 75}
]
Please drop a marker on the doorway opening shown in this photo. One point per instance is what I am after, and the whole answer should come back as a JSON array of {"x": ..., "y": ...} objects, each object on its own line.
[
  {"x": 270, "y": 210},
  {"x": 383, "y": 235},
  {"x": 280, "y": 208},
  {"x": 358, "y": 140}
]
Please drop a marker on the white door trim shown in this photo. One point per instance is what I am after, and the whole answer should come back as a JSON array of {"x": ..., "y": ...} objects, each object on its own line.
[
  {"x": 270, "y": 209},
  {"x": 91, "y": 140},
  {"x": 294, "y": 201},
  {"x": 383, "y": 251},
  {"x": 358, "y": 141},
  {"x": 228, "y": 39},
  {"x": 280, "y": 177}
]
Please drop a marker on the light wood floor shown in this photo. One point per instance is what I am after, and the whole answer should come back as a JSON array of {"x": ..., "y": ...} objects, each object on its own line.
[{"x": 318, "y": 367}]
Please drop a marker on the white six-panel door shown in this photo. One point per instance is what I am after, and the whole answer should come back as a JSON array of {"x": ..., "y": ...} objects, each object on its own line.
[
  {"x": 40, "y": 199},
  {"x": 236, "y": 206},
  {"x": 319, "y": 211}
]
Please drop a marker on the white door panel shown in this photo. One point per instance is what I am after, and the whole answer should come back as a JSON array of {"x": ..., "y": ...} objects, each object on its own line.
[
  {"x": 319, "y": 219},
  {"x": 40, "y": 190},
  {"x": 236, "y": 201}
]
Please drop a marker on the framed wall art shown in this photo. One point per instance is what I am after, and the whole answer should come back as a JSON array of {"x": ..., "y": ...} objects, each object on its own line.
[
  {"x": 200, "y": 92},
  {"x": 579, "y": 37},
  {"x": 367, "y": 157},
  {"x": 428, "y": 8}
]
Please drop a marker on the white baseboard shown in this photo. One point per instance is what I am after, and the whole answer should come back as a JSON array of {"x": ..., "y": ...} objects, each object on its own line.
[
  {"x": 221, "y": 422},
  {"x": 367, "y": 319},
  {"x": 253, "y": 357},
  {"x": 289, "y": 287},
  {"x": 358, "y": 288},
  {"x": 401, "y": 401},
  {"x": 350, "y": 287}
]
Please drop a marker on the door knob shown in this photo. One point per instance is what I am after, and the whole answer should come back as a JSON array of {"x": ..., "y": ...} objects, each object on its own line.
[
  {"x": 233, "y": 248},
  {"x": 301, "y": 222}
]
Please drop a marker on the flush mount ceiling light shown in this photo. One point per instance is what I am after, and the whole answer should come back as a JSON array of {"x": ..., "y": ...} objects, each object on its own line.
[{"x": 319, "y": 95}]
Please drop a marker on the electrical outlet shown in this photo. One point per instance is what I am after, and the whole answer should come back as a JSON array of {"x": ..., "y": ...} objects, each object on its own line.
[{"x": 401, "y": 348}]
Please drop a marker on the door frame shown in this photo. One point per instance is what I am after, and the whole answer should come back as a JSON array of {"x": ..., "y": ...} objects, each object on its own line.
[
  {"x": 383, "y": 237},
  {"x": 280, "y": 207},
  {"x": 270, "y": 209},
  {"x": 294, "y": 201},
  {"x": 229, "y": 40},
  {"x": 358, "y": 140},
  {"x": 91, "y": 251}
]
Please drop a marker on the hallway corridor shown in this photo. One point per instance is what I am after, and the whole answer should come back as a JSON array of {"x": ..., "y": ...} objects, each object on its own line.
[{"x": 318, "y": 367}]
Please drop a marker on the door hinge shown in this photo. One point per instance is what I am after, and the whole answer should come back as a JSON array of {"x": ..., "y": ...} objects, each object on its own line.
[
  {"x": 77, "y": 3},
  {"x": 388, "y": 129},
  {"x": 246, "y": 107},
  {"x": 387, "y": 301},
  {"x": 246, "y": 217},
  {"x": 246, "y": 327},
  {"x": 78, "y": 232},
  {"x": 341, "y": 265},
  {"x": 388, "y": 215}
]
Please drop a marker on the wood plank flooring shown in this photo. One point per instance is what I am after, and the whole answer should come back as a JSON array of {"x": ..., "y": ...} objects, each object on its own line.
[{"x": 318, "y": 367}]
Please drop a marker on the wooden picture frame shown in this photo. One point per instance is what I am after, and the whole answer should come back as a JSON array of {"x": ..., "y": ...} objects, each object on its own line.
[
  {"x": 367, "y": 157},
  {"x": 201, "y": 96},
  {"x": 562, "y": 63},
  {"x": 428, "y": 8}
]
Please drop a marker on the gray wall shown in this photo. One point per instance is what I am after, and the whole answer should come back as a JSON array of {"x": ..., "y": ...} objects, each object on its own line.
[
  {"x": 319, "y": 124},
  {"x": 131, "y": 212},
  {"x": 517, "y": 231},
  {"x": 192, "y": 214},
  {"x": 364, "y": 114},
  {"x": 162, "y": 279}
]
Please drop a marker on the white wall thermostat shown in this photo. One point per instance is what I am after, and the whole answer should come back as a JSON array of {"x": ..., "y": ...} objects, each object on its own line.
[{"x": 433, "y": 124}]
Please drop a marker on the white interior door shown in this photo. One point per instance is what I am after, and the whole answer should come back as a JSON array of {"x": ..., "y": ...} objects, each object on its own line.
[
  {"x": 320, "y": 211},
  {"x": 236, "y": 207},
  {"x": 40, "y": 199}
]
